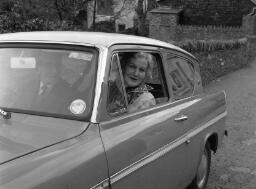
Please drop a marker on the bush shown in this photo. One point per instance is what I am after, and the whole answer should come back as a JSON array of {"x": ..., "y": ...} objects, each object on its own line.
[
  {"x": 212, "y": 45},
  {"x": 217, "y": 58},
  {"x": 221, "y": 62},
  {"x": 11, "y": 23}
]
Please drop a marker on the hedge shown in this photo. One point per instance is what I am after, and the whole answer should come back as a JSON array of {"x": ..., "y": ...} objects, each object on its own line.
[{"x": 217, "y": 58}]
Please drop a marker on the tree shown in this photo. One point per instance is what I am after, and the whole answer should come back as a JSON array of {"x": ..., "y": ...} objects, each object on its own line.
[{"x": 143, "y": 7}]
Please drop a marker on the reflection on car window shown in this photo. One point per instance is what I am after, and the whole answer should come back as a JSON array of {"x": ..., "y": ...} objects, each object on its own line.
[
  {"x": 182, "y": 76},
  {"x": 49, "y": 81},
  {"x": 141, "y": 78},
  {"x": 116, "y": 98}
]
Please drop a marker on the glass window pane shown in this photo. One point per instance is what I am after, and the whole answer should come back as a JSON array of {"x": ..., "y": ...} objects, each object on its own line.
[
  {"x": 182, "y": 76},
  {"x": 116, "y": 99},
  {"x": 51, "y": 81}
]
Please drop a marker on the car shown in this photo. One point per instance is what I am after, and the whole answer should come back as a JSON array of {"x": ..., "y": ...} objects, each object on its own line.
[{"x": 59, "y": 128}]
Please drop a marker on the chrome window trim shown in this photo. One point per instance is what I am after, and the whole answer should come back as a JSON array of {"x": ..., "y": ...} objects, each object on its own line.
[
  {"x": 191, "y": 62},
  {"x": 102, "y": 62},
  {"x": 163, "y": 150},
  {"x": 165, "y": 104},
  {"x": 49, "y": 42}
]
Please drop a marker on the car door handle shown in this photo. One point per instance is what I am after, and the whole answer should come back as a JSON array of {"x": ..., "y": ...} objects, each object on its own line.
[{"x": 181, "y": 118}]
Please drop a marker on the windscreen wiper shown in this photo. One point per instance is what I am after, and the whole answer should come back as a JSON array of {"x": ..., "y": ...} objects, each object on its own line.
[{"x": 5, "y": 115}]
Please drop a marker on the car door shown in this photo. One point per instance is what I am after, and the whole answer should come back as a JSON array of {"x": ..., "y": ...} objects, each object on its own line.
[
  {"x": 147, "y": 148},
  {"x": 199, "y": 119}
]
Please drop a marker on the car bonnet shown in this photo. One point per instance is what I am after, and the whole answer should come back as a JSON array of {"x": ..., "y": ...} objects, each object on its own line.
[{"x": 24, "y": 134}]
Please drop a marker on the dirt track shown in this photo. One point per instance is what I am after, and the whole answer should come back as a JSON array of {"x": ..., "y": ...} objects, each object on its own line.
[{"x": 234, "y": 165}]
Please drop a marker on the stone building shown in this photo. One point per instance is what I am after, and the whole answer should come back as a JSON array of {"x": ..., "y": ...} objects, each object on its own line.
[
  {"x": 211, "y": 12},
  {"x": 122, "y": 12}
]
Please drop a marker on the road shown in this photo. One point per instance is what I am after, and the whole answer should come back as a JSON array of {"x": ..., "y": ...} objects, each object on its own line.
[{"x": 234, "y": 165}]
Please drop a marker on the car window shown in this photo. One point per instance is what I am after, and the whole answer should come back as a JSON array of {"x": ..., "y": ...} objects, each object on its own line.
[
  {"x": 116, "y": 102},
  {"x": 139, "y": 82},
  {"x": 181, "y": 73},
  {"x": 47, "y": 81}
]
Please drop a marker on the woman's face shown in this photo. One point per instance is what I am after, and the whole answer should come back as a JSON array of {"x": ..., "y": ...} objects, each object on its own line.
[{"x": 135, "y": 72}]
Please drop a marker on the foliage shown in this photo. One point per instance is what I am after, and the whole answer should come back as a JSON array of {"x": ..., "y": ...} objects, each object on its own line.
[
  {"x": 212, "y": 45},
  {"x": 142, "y": 22},
  {"x": 216, "y": 63},
  {"x": 25, "y": 15},
  {"x": 217, "y": 58},
  {"x": 12, "y": 23},
  {"x": 71, "y": 10}
]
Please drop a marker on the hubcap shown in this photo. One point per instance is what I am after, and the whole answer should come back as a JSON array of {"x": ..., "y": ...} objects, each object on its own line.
[{"x": 202, "y": 171}]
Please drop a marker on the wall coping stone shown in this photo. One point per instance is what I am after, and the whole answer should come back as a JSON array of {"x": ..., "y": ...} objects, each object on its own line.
[{"x": 166, "y": 10}]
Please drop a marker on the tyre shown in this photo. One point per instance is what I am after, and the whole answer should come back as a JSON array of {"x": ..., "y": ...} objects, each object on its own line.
[{"x": 203, "y": 170}]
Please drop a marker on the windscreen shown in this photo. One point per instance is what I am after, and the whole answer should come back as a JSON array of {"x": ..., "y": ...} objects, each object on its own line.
[{"x": 53, "y": 82}]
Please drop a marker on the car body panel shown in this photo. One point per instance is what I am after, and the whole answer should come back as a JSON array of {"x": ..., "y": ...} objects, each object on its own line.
[
  {"x": 23, "y": 133},
  {"x": 138, "y": 145},
  {"x": 76, "y": 163}
]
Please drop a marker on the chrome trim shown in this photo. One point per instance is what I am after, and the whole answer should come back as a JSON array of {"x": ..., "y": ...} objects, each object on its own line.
[
  {"x": 148, "y": 159},
  {"x": 99, "y": 81},
  {"x": 209, "y": 123},
  {"x": 103, "y": 184},
  {"x": 50, "y": 42},
  {"x": 163, "y": 150},
  {"x": 175, "y": 108}
]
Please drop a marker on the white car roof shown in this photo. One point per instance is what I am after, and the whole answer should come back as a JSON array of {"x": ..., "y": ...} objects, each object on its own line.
[{"x": 90, "y": 38}]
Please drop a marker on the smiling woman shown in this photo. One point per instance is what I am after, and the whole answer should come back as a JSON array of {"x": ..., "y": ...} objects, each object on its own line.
[
  {"x": 135, "y": 82},
  {"x": 135, "y": 71}
]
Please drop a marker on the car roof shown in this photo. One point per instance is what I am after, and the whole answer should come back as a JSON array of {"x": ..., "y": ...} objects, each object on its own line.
[{"x": 90, "y": 38}]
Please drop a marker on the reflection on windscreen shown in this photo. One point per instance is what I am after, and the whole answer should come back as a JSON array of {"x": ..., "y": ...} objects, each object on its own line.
[{"x": 46, "y": 81}]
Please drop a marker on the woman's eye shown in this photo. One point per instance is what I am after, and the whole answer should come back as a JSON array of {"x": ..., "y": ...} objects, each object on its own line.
[
  {"x": 132, "y": 67},
  {"x": 142, "y": 70}
]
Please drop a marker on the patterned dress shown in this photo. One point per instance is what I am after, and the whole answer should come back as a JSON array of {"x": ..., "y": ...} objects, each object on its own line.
[{"x": 138, "y": 98}]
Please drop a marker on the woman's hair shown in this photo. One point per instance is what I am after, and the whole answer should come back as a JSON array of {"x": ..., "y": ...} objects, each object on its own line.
[{"x": 146, "y": 56}]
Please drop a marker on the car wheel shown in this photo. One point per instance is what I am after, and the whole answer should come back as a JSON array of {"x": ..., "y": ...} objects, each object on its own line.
[{"x": 203, "y": 170}]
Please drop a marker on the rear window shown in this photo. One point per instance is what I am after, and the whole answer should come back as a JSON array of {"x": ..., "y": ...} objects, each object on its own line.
[{"x": 49, "y": 81}]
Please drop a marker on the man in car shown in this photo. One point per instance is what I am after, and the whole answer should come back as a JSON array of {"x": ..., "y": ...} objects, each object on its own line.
[{"x": 59, "y": 80}]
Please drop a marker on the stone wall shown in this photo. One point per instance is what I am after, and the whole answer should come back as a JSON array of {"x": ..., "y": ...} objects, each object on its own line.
[
  {"x": 184, "y": 32},
  {"x": 164, "y": 25},
  {"x": 211, "y": 12}
]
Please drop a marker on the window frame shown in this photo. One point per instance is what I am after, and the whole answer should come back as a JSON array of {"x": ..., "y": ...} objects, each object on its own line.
[
  {"x": 138, "y": 48},
  {"x": 191, "y": 60},
  {"x": 57, "y": 46},
  {"x": 114, "y": 114}
]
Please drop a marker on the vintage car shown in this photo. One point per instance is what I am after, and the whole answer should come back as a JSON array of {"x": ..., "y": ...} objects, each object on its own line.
[{"x": 71, "y": 136}]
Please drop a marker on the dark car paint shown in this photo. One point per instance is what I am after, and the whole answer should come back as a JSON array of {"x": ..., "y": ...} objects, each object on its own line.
[
  {"x": 79, "y": 162},
  {"x": 129, "y": 139},
  {"x": 23, "y": 134}
]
